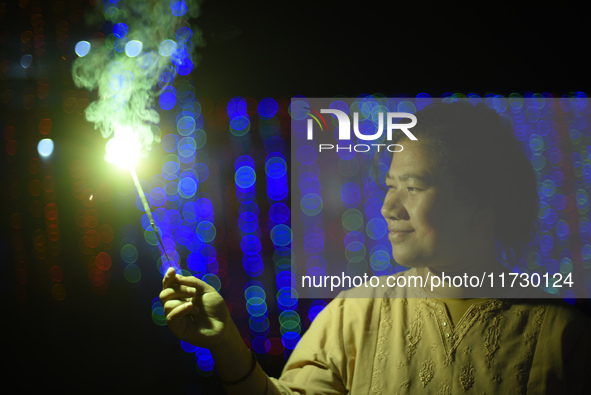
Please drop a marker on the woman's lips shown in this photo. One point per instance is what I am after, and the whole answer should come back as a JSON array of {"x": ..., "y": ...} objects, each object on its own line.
[{"x": 394, "y": 234}]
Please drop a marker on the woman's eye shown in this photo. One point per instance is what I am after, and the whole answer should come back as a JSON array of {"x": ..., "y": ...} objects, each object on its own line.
[{"x": 411, "y": 189}]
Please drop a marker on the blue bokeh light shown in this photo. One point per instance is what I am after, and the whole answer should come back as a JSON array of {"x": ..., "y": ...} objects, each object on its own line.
[
  {"x": 45, "y": 148},
  {"x": 120, "y": 30},
  {"x": 268, "y": 108},
  {"x": 178, "y": 8},
  {"x": 26, "y": 61},
  {"x": 245, "y": 177},
  {"x": 133, "y": 48},
  {"x": 82, "y": 48}
]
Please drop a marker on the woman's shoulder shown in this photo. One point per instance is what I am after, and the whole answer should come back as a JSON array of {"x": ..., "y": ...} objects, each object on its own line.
[
  {"x": 555, "y": 315},
  {"x": 558, "y": 309}
]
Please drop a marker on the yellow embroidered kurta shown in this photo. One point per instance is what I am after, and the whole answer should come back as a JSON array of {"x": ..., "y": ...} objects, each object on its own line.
[{"x": 389, "y": 345}]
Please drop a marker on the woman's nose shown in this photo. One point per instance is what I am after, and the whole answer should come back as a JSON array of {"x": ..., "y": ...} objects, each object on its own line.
[{"x": 393, "y": 207}]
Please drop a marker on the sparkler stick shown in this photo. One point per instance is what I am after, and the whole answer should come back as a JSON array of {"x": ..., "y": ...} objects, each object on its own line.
[
  {"x": 124, "y": 150},
  {"x": 150, "y": 217},
  {"x": 148, "y": 211}
]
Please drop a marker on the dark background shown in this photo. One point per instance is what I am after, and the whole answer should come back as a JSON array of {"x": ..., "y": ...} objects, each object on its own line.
[{"x": 95, "y": 344}]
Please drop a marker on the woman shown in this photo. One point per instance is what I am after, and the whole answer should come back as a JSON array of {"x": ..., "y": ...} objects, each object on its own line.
[{"x": 458, "y": 197}]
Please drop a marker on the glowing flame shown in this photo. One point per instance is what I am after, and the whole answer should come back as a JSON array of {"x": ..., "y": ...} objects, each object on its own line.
[{"x": 124, "y": 148}]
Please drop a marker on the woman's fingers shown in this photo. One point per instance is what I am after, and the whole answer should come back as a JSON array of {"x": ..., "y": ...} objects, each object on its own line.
[
  {"x": 171, "y": 280},
  {"x": 168, "y": 278},
  {"x": 173, "y": 304},
  {"x": 188, "y": 280},
  {"x": 200, "y": 285},
  {"x": 179, "y": 310},
  {"x": 181, "y": 288},
  {"x": 183, "y": 292}
]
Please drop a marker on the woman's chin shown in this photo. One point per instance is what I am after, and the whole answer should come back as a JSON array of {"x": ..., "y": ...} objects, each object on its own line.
[{"x": 409, "y": 262}]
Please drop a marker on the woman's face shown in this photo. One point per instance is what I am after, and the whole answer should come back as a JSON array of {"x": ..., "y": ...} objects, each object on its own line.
[{"x": 428, "y": 226}]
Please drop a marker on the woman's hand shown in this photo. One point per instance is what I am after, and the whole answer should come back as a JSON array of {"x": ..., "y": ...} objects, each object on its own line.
[{"x": 195, "y": 311}]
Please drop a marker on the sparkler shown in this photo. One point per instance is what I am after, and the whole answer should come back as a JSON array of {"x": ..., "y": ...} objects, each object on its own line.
[
  {"x": 148, "y": 211},
  {"x": 124, "y": 150},
  {"x": 153, "y": 44}
]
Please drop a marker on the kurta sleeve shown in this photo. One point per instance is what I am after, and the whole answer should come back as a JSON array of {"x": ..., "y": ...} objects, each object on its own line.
[{"x": 317, "y": 364}]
